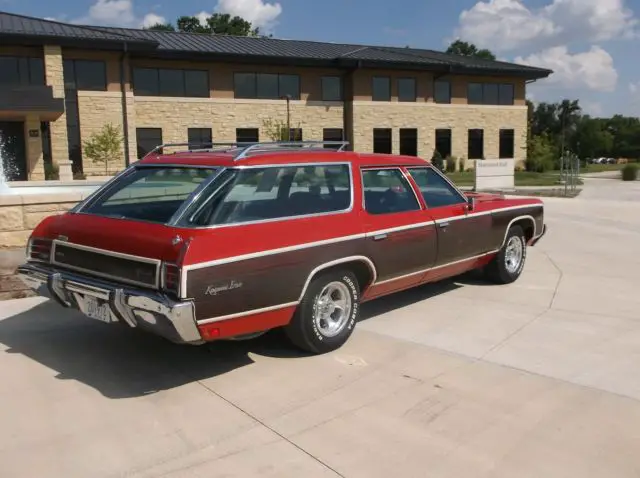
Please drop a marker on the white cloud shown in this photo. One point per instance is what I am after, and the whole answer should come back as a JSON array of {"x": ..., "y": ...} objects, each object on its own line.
[
  {"x": 592, "y": 108},
  {"x": 117, "y": 13},
  {"x": 592, "y": 69},
  {"x": 151, "y": 19},
  {"x": 260, "y": 13},
  {"x": 506, "y": 25},
  {"x": 111, "y": 12}
]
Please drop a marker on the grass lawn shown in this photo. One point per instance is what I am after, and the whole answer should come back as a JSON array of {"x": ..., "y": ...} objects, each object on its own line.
[
  {"x": 523, "y": 178},
  {"x": 598, "y": 168}
]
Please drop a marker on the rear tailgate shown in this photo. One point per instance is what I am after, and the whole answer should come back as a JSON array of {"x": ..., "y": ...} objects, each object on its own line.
[{"x": 119, "y": 249}]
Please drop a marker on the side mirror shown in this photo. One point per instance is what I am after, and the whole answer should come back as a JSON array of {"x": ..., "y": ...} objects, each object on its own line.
[{"x": 471, "y": 203}]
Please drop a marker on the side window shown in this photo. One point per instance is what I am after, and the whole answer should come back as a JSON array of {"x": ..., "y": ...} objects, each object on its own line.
[
  {"x": 387, "y": 191},
  {"x": 259, "y": 194},
  {"x": 435, "y": 190}
]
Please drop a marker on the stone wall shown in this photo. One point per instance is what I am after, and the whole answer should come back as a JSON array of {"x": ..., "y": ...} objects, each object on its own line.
[
  {"x": 176, "y": 115},
  {"x": 427, "y": 117},
  {"x": 98, "y": 108},
  {"x": 19, "y": 215}
]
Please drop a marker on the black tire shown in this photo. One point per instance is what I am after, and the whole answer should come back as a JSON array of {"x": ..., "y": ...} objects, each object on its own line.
[
  {"x": 498, "y": 270},
  {"x": 303, "y": 330}
]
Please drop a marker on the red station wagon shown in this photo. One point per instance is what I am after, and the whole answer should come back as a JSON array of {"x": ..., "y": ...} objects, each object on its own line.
[{"x": 236, "y": 240}]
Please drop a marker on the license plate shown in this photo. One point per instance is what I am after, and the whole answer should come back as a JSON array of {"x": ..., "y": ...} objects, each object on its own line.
[{"x": 97, "y": 311}]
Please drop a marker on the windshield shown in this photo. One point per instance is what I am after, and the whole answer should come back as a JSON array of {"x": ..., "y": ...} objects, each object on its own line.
[{"x": 150, "y": 194}]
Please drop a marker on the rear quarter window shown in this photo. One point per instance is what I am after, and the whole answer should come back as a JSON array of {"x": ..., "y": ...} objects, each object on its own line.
[{"x": 269, "y": 193}]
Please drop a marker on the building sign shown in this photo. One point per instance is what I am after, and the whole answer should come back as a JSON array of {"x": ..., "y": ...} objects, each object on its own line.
[
  {"x": 496, "y": 174},
  {"x": 34, "y": 133}
]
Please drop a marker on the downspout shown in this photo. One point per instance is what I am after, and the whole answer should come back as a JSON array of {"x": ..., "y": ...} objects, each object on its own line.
[{"x": 125, "y": 115}]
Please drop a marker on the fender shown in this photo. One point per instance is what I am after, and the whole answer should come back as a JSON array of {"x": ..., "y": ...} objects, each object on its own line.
[
  {"x": 326, "y": 265},
  {"x": 519, "y": 218}
]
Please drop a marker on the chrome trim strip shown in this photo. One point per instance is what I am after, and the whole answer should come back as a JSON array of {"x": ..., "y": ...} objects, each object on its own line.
[
  {"x": 400, "y": 228},
  {"x": 120, "y": 255},
  {"x": 269, "y": 252},
  {"x": 227, "y": 260},
  {"x": 246, "y": 313},
  {"x": 423, "y": 271}
]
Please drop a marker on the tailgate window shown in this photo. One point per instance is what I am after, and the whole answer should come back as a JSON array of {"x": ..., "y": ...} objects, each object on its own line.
[{"x": 150, "y": 194}]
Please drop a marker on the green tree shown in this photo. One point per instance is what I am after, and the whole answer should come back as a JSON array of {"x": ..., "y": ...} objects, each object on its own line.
[
  {"x": 592, "y": 139},
  {"x": 104, "y": 146},
  {"x": 162, "y": 27},
  {"x": 216, "y": 24},
  {"x": 437, "y": 160},
  {"x": 541, "y": 154},
  {"x": 464, "y": 48}
]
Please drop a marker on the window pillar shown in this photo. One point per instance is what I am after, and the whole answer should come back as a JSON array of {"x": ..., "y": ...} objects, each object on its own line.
[{"x": 55, "y": 79}]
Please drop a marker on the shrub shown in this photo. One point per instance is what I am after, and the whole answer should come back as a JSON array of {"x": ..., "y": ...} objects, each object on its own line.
[
  {"x": 437, "y": 160},
  {"x": 452, "y": 164},
  {"x": 51, "y": 172},
  {"x": 461, "y": 165},
  {"x": 540, "y": 154},
  {"x": 630, "y": 172}
]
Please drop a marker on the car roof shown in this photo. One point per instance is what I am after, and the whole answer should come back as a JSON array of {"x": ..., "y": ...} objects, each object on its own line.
[{"x": 226, "y": 159}]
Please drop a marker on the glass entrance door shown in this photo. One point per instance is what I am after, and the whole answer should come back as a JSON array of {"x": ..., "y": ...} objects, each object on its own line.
[{"x": 13, "y": 151}]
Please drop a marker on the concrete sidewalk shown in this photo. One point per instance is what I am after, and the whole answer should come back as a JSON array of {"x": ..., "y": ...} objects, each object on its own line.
[{"x": 459, "y": 379}]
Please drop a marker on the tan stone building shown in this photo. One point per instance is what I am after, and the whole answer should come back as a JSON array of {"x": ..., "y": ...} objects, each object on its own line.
[{"x": 62, "y": 83}]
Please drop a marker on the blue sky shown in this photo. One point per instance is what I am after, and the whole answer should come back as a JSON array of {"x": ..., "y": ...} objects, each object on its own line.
[{"x": 591, "y": 44}]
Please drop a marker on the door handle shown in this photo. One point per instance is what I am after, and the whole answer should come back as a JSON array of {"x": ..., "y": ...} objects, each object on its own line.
[
  {"x": 443, "y": 225},
  {"x": 379, "y": 237}
]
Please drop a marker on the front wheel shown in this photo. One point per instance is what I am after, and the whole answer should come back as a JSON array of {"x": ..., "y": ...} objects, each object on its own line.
[
  {"x": 508, "y": 263},
  {"x": 327, "y": 314}
]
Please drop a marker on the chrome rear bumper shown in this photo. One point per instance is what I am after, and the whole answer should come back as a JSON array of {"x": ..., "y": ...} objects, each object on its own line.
[{"x": 148, "y": 310}]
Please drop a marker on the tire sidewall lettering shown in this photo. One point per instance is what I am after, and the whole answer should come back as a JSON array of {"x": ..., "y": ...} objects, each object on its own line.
[{"x": 346, "y": 279}]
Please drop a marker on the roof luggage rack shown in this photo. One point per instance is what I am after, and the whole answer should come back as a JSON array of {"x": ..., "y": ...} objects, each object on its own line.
[{"x": 242, "y": 150}]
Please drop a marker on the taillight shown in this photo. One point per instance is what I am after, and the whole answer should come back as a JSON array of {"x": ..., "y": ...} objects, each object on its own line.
[
  {"x": 171, "y": 278},
  {"x": 39, "y": 249}
]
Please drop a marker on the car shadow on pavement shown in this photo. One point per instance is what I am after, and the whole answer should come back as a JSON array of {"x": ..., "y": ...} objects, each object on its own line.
[
  {"x": 398, "y": 300},
  {"x": 120, "y": 362}
]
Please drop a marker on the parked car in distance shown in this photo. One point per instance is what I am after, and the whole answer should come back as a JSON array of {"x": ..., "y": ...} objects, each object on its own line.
[{"x": 231, "y": 242}]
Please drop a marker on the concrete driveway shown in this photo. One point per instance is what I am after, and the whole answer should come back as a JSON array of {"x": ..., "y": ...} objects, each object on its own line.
[{"x": 459, "y": 379}]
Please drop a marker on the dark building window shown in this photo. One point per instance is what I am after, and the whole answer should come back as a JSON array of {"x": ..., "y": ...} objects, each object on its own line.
[
  {"x": 331, "y": 88},
  {"x": 507, "y": 143},
  {"x": 381, "y": 88},
  {"x": 271, "y": 86},
  {"x": 148, "y": 139},
  {"x": 247, "y": 135},
  {"x": 199, "y": 138},
  {"x": 409, "y": 141},
  {"x": 332, "y": 134},
  {"x": 490, "y": 94},
  {"x": 406, "y": 89},
  {"x": 506, "y": 94},
  {"x": 443, "y": 142},
  {"x": 85, "y": 75},
  {"x": 476, "y": 144},
  {"x": 170, "y": 82},
  {"x": 21, "y": 71},
  {"x": 442, "y": 91},
  {"x": 382, "y": 139}
]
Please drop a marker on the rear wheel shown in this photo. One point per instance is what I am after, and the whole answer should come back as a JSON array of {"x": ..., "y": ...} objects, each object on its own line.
[
  {"x": 327, "y": 314},
  {"x": 508, "y": 263}
]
